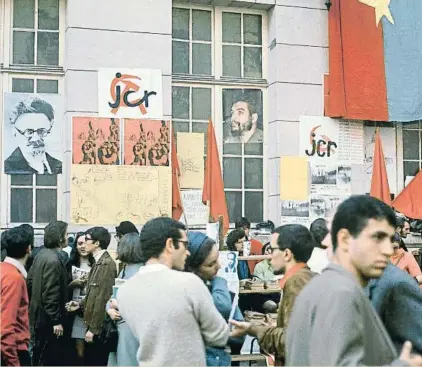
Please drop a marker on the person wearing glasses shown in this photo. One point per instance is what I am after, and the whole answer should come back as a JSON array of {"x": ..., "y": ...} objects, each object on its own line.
[
  {"x": 291, "y": 247},
  {"x": 170, "y": 312},
  {"x": 99, "y": 290},
  {"x": 32, "y": 121}
]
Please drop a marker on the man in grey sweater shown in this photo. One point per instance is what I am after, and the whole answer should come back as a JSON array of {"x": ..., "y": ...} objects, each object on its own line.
[
  {"x": 170, "y": 312},
  {"x": 333, "y": 322}
]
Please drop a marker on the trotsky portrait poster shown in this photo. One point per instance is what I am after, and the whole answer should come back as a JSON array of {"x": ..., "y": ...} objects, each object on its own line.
[
  {"x": 32, "y": 133},
  {"x": 96, "y": 140}
]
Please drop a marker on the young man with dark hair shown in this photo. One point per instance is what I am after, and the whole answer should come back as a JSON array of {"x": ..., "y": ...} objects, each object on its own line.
[
  {"x": 123, "y": 228},
  {"x": 243, "y": 223},
  {"x": 99, "y": 290},
  {"x": 403, "y": 229},
  {"x": 333, "y": 322},
  {"x": 14, "y": 300},
  {"x": 291, "y": 248},
  {"x": 47, "y": 286},
  {"x": 169, "y": 311}
]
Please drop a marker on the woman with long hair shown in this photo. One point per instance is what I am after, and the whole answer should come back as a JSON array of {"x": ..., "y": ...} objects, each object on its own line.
[
  {"x": 203, "y": 261},
  {"x": 81, "y": 263}
]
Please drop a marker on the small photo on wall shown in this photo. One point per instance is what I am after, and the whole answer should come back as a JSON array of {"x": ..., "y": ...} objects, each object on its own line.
[
  {"x": 32, "y": 133},
  {"x": 96, "y": 141},
  {"x": 146, "y": 142}
]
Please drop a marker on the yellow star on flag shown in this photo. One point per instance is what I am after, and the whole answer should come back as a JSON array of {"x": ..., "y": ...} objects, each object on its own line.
[{"x": 381, "y": 9}]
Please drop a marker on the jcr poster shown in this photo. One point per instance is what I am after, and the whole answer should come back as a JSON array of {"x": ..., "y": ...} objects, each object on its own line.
[{"x": 130, "y": 93}]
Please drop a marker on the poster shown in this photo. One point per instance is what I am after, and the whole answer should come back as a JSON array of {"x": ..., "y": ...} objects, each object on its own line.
[
  {"x": 388, "y": 138},
  {"x": 243, "y": 117},
  {"x": 106, "y": 195},
  {"x": 190, "y": 152},
  {"x": 325, "y": 139},
  {"x": 316, "y": 207},
  {"x": 228, "y": 261},
  {"x": 196, "y": 213},
  {"x": 78, "y": 273},
  {"x": 324, "y": 179},
  {"x": 32, "y": 133},
  {"x": 290, "y": 208},
  {"x": 95, "y": 140},
  {"x": 146, "y": 143},
  {"x": 130, "y": 93},
  {"x": 294, "y": 183}
]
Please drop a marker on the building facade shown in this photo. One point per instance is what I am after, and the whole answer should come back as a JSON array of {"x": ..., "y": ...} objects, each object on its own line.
[{"x": 271, "y": 54}]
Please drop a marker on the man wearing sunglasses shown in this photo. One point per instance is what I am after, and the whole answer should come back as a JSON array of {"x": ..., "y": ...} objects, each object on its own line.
[{"x": 32, "y": 121}]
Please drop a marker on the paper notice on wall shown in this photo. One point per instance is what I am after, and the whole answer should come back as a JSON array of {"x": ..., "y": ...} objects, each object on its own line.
[
  {"x": 351, "y": 141},
  {"x": 319, "y": 138},
  {"x": 295, "y": 212},
  {"x": 388, "y": 138},
  {"x": 325, "y": 139},
  {"x": 106, "y": 195},
  {"x": 190, "y": 152},
  {"x": 324, "y": 179},
  {"x": 195, "y": 211},
  {"x": 358, "y": 184},
  {"x": 294, "y": 183}
]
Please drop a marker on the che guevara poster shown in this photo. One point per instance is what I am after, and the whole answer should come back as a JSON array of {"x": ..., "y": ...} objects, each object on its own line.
[{"x": 130, "y": 93}]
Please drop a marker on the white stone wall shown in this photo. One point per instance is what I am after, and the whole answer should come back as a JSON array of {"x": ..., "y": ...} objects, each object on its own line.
[{"x": 297, "y": 64}]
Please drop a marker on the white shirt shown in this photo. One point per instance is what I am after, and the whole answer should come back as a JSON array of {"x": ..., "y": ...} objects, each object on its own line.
[
  {"x": 152, "y": 267},
  {"x": 38, "y": 164},
  {"x": 16, "y": 264},
  {"x": 319, "y": 260},
  {"x": 98, "y": 255}
]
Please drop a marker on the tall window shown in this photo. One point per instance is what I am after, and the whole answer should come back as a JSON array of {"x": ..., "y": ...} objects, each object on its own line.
[
  {"x": 33, "y": 198},
  {"x": 412, "y": 148},
  {"x": 242, "y": 45},
  {"x": 211, "y": 45},
  {"x": 35, "y": 35}
]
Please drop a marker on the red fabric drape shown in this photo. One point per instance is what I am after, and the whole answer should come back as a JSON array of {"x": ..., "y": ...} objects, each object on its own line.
[
  {"x": 213, "y": 191},
  {"x": 409, "y": 201},
  {"x": 176, "y": 200},
  {"x": 379, "y": 183}
]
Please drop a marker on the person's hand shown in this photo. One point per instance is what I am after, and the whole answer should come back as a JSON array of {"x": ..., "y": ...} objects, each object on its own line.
[
  {"x": 270, "y": 321},
  {"x": 72, "y": 306},
  {"x": 406, "y": 355},
  {"x": 89, "y": 337},
  {"x": 241, "y": 328},
  {"x": 77, "y": 283},
  {"x": 113, "y": 304},
  {"x": 58, "y": 330},
  {"x": 114, "y": 314}
]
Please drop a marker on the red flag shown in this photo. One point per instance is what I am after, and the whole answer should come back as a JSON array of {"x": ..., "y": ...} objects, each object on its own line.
[
  {"x": 379, "y": 182},
  {"x": 409, "y": 201},
  {"x": 176, "y": 200},
  {"x": 213, "y": 191}
]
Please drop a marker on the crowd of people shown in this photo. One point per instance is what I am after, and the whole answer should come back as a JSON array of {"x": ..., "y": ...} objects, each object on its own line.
[{"x": 350, "y": 294}]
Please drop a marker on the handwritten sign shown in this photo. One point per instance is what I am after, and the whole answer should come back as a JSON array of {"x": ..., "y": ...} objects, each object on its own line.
[
  {"x": 196, "y": 212},
  {"x": 190, "y": 152},
  {"x": 105, "y": 195},
  {"x": 130, "y": 93}
]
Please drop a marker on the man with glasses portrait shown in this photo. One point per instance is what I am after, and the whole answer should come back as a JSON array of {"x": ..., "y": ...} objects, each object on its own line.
[{"x": 32, "y": 121}]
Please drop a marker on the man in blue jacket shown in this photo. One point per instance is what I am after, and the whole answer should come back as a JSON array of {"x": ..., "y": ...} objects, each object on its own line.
[{"x": 397, "y": 299}]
